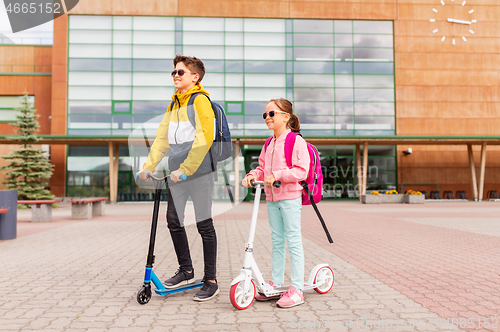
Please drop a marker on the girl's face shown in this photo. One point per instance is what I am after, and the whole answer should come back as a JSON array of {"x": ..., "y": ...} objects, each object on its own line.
[
  {"x": 279, "y": 120},
  {"x": 186, "y": 80}
]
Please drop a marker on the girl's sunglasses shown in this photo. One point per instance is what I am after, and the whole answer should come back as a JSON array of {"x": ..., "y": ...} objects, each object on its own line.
[
  {"x": 271, "y": 114},
  {"x": 181, "y": 72}
]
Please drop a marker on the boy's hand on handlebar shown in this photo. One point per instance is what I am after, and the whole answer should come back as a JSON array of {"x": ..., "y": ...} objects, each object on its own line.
[
  {"x": 143, "y": 174},
  {"x": 246, "y": 181},
  {"x": 269, "y": 181},
  {"x": 175, "y": 176}
]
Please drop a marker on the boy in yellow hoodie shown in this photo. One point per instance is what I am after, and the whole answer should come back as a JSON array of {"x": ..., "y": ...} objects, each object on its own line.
[{"x": 187, "y": 132}]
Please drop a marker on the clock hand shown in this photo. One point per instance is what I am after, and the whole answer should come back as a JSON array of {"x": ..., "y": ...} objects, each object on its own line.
[{"x": 452, "y": 20}]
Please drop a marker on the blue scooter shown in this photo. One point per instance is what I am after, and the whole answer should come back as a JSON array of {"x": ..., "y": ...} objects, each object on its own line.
[{"x": 144, "y": 294}]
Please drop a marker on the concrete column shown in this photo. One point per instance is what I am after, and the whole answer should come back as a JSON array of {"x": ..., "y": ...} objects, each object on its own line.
[
  {"x": 473, "y": 171},
  {"x": 482, "y": 170}
]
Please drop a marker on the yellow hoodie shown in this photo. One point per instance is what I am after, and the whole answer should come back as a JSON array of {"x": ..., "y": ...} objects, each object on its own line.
[{"x": 188, "y": 145}]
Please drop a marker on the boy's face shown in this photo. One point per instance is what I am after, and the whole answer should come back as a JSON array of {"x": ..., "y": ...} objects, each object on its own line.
[{"x": 185, "y": 81}]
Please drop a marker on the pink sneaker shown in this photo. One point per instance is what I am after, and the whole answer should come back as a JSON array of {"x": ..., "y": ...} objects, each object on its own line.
[
  {"x": 290, "y": 298},
  {"x": 259, "y": 297}
]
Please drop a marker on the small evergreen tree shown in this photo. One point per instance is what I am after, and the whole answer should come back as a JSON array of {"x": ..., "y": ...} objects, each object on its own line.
[{"x": 28, "y": 168}]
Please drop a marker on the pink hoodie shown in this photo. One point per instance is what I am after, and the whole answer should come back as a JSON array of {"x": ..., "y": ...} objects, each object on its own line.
[{"x": 273, "y": 161}]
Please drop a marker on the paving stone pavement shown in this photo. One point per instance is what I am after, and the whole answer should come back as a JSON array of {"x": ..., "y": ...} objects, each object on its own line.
[{"x": 84, "y": 275}]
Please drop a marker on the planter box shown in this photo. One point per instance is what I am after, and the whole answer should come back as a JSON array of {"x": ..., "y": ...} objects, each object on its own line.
[
  {"x": 399, "y": 198},
  {"x": 380, "y": 199},
  {"x": 415, "y": 199}
]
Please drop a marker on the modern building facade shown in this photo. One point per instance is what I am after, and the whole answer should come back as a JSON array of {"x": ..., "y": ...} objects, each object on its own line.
[{"x": 351, "y": 69}]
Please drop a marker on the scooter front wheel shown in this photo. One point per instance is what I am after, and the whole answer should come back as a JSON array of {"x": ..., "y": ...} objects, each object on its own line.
[
  {"x": 144, "y": 295},
  {"x": 239, "y": 298},
  {"x": 326, "y": 278}
]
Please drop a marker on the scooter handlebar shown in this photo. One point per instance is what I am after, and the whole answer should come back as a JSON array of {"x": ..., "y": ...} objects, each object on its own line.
[
  {"x": 276, "y": 184},
  {"x": 150, "y": 176}
]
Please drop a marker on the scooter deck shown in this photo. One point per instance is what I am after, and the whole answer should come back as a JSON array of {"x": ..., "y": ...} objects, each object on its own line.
[{"x": 166, "y": 291}]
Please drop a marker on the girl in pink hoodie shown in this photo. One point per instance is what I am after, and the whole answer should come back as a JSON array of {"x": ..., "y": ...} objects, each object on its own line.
[{"x": 284, "y": 204}]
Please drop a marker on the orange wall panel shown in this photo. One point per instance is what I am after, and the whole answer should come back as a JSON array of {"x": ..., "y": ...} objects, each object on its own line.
[
  {"x": 232, "y": 8},
  {"x": 346, "y": 10}
]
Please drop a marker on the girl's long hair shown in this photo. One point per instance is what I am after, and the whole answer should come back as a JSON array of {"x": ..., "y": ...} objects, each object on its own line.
[{"x": 286, "y": 106}]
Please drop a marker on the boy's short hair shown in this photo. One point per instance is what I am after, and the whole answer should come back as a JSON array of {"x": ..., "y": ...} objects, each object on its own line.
[{"x": 193, "y": 63}]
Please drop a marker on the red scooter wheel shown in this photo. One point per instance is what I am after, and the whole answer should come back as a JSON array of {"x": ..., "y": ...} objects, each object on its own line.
[
  {"x": 239, "y": 298},
  {"x": 326, "y": 278}
]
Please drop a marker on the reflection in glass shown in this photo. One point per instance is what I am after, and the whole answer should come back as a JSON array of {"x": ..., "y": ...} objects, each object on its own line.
[
  {"x": 213, "y": 66},
  {"x": 343, "y": 81},
  {"x": 264, "y": 66},
  {"x": 344, "y": 95},
  {"x": 153, "y": 65},
  {"x": 265, "y": 39},
  {"x": 122, "y": 64},
  {"x": 309, "y": 26},
  {"x": 313, "y": 53},
  {"x": 374, "y": 81},
  {"x": 255, "y": 108},
  {"x": 343, "y": 26},
  {"x": 149, "y": 107},
  {"x": 90, "y": 64},
  {"x": 312, "y": 39},
  {"x": 344, "y": 108},
  {"x": 316, "y": 108},
  {"x": 374, "y": 108},
  {"x": 374, "y": 68},
  {"x": 374, "y": 54},
  {"x": 89, "y": 107},
  {"x": 374, "y": 95},
  {"x": 343, "y": 40},
  {"x": 313, "y": 67},
  {"x": 374, "y": 122},
  {"x": 373, "y": 40},
  {"x": 89, "y": 121},
  {"x": 373, "y": 27},
  {"x": 344, "y": 54},
  {"x": 317, "y": 94},
  {"x": 343, "y": 67},
  {"x": 319, "y": 81},
  {"x": 234, "y": 66}
]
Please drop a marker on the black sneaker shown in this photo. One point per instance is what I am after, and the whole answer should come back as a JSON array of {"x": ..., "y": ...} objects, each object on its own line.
[
  {"x": 207, "y": 292},
  {"x": 181, "y": 278}
]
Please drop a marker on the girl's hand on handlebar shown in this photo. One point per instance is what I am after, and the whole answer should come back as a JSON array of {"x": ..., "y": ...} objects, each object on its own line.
[
  {"x": 143, "y": 174},
  {"x": 269, "y": 181},
  {"x": 246, "y": 181},
  {"x": 175, "y": 176}
]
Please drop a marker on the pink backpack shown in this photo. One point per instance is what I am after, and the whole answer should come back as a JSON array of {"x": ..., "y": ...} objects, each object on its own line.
[{"x": 314, "y": 180}]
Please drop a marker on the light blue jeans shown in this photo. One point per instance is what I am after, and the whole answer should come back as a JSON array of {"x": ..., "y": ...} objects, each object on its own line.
[{"x": 284, "y": 219}]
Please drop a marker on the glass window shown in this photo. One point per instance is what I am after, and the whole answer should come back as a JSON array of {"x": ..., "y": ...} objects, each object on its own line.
[
  {"x": 122, "y": 93},
  {"x": 234, "y": 94},
  {"x": 153, "y": 23},
  {"x": 86, "y": 22},
  {"x": 255, "y": 108},
  {"x": 122, "y": 78},
  {"x": 265, "y": 53},
  {"x": 154, "y": 38},
  {"x": 8, "y": 105},
  {"x": 89, "y": 107},
  {"x": 344, "y": 122},
  {"x": 313, "y": 54},
  {"x": 344, "y": 54},
  {"x": 153, "y": 52},
  {"x": 89, "y": 51},
  {"x": 122, "y": 121},
  {"x": 320, "y": 81},
  {"x": 234, "y": 24},
  {"x": 202, "y": 24},
  {"x": 343, "y": 67},
  {"x": 234, "y": 66},
  {"x": 122, "y": 22},
  {"x": 203, "y": 38},
  {"x": 234, "y": 79},
  {"x": 323, "y": 26},
  {"x": 215, "y": 93},
  {"x": 89, "y": 121},
  {"x": 265, "y": 80},
  {"x": 374, "y": 95},
  {"x": 374, "y": 108},
  {"x": 122, "y": 65},
  {"x": 89, "y": 78},
  {"x": 263, "y": 25},
  {"x": 264, "y": 66},
  {"x": 153, "y": 65},
  {"x": 121, "y": 107},
  {"x": 373, "y": 27},
  {"x": 122, "y": 37},
  {"x": 344, "y": 108},
  {"x": 373, "y": 40},
  {"x": 205, "y": 52},
  {"x": 89, "y": 37},
  {"x": 343, "y": 26},
  {"x": 264, "y": 39},
  {"x": 233, "y": 108},
  {"x": 374, "y": 123},
  {"x": 213, "y": 80},
  {"x": 234, "y": 38},
  {"x": 141, "y": 119},
  {"x": 234, "y": 53},
  {"x": 152, "y": 79},
  {"x": 344, "y": 94},
  {"x": 149, "y": 107},
  {"x": 343, "y": 40},
  {"x": 343, "y": 81},
  {"x": 90, "y": 64},
  {"x": 214, "y": 66},
  {"x": 314, "y": 94},
  {"x": 89, "y": 93},
  {"x": 259, "y": 94},
  {"x": 374, "y": 81},
  {"x": 317, "y": 122},
  {"x": 373, "y": 68},
  {"x": 152, "y": 93},
  {"x": 315, "y": 108},
  {"x": 308, "y": 67},
  {"x": 374, "y": 54},
  {"x": 122, "y": 51},
  {"x": 309, "y": 39}
]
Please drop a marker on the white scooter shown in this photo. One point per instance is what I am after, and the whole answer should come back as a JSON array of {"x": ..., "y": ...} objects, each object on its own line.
[{"x": 243, "y": 287}]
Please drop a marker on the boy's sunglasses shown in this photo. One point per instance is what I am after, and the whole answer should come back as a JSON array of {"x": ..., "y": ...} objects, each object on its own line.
[
  {"x": 271, "y": 114},
  {"x": 181, "y": 72}
]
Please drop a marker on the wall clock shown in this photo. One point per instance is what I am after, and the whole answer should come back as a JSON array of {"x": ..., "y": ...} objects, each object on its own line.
[{"x": 458, "y": 17}]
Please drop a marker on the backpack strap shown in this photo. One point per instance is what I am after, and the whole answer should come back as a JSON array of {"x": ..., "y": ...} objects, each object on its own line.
[
  {"x": 268, "y": 141},
  {"x": 289, "y": 144}
]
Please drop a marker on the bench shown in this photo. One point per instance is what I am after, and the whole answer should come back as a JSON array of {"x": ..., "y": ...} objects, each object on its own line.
[
  {"x": 41, "y": 210},
  {"x": 86, "y": 208}
]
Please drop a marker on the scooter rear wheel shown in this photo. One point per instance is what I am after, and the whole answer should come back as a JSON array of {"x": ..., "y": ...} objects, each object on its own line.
[
  {"x": 326, "y": 277},
  {"x": 144, "y": 295},
  {"x": 239, "y": 299}
]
